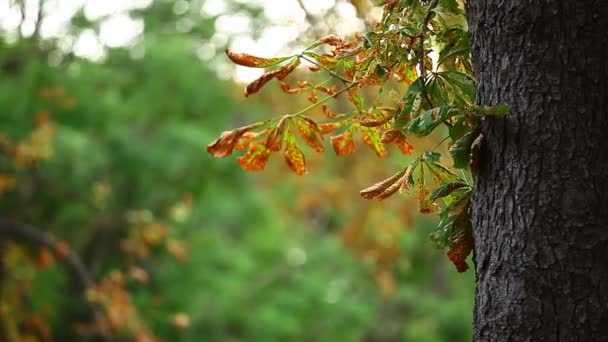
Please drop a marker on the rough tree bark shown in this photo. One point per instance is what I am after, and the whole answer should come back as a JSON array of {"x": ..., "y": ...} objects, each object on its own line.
[{"x": 540, "y": 208}]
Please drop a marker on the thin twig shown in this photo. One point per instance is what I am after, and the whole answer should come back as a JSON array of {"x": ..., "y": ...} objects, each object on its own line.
[{"x": 331, "y": 72}]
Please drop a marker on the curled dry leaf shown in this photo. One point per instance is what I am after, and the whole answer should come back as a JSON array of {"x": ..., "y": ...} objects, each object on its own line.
[
  {"x": 295, "y": 158},
  {"x": 253, "y": 61},
  {"x": 310, "y": 133},
  {"x": 329, "y": 113},
  {"x": 462, "y": 244},
  {"x": 406, "y": 184},
  {"x": 390, "y": 136},
  {"x": 398, "y": 138},
  {"x": 255, "y": 159},
  {"x": 223, "y": 146},
  {"x": 280, "y": 74},
  {"x": 274, "y": 141},
  {"x": 343, "y": 144},
  {"x": 331, "y": 39},
  {"x": 380, "y": 188},
  {"x": 375, "y": 122}
]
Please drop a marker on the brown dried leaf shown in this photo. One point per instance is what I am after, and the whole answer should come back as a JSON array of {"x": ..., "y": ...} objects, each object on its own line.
[
  {"x": 379, "y": 188},
  {"x": 274, "y": 141},
  {"x": 280, "y": 74},
  {"x": 253, "y": 61},
  {"x": 329, "y": 113},
  {"x": 223, "y": 146},
  {"x": 390, "y": 136},
  {"x": 406, "y": 184},
  {"x": 332, "y": 40},
  {"x": 462, "y": 245},
  {"x": 375, "y": 122}
]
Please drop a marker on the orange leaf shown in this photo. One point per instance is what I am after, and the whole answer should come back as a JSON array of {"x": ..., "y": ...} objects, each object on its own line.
[
  {"x": 255, "y": 159},
  {"x": 343, "y": 144},
  {"x": 390, "y": 136},
  {"x": 329, "y": 127},
  {"x": 312, "y": 97},
  {"x": 224, "y": 145},
  {"x": 280, "y": 74},
  {"x": 253, "y": 61},
  {"x": 459, "y": 251},
  {"x": 295, "y": 158},
  {"x": 310, "y": 133},
  {"x": 371, "y": 138},
  {"x": 398, "y": 138},
  {"x": 274, "y": 141},
  {"x": 329, "y": 113},
  {"x": 404, "y": 146}
]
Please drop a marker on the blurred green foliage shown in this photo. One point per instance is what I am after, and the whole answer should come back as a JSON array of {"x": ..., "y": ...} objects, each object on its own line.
[{"x": 129, "y": 144}]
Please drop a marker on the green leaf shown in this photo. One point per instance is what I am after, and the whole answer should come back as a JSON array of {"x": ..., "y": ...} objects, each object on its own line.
[
  {"x": 461, "y": 150},
  {"x": 426, "y": 122},
  {"x": 457, "y": 44},
  {"x": 460, "y": 86},
  {"x": 431, "y": 157},
  {"x": 446, "y": 190}
]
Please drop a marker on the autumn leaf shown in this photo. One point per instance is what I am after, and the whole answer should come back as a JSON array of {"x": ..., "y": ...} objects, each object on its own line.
[
  {"x": 274, "y": 141},
  {"x": 255, "y": 159},
  {"x": 375, "y": 122},
  {"x": 223, "y": 146},
  {"x": 343, "y": 144},
  {"x": 425, "y": 205},
  {"x": 407, "y": 182},
  {"x": 246, "y": 139},
  {"x": 295, "y": 158},
  {"x": 253, "y": 61},
  {"x": 329, "y": 127},
  {"x": 461, "y": 244},
  {"x": 329, "y": 113},
  {"x": 325, "y": 60},
  {"x": 280, "y": 74},
  {"x": 310, "y": 133},
  {"x": 380, "y": 189},
  {"x": 371, "y": 138},
  {"x": 331, "y": 39},
  {"x": 398, "y": 138}
]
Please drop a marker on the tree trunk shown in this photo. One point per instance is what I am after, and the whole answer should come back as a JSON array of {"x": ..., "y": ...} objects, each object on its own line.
[{"x": 540, "y": 206}]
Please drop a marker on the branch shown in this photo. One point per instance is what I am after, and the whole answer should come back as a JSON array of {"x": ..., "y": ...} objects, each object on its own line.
[
  {"x": 425, "y": 24},
  {"x": 16, "y": 230}
]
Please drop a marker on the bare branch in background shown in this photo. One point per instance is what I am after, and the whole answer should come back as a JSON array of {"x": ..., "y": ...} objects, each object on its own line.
[{"x": 20, "y": 231}]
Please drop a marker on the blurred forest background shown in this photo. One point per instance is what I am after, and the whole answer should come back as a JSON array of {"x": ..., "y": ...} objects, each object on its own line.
[{"x": 106, "y": 109}]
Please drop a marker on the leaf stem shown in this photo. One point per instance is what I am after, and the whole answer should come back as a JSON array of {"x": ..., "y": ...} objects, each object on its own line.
[
  {"x": 439, "y": 144},
  {"x": 331, "y": 72},
  {"x": 323, "y": 100}
]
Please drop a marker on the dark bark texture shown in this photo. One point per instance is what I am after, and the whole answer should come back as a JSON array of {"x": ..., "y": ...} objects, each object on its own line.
[{"x": 540, "y": 206}]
